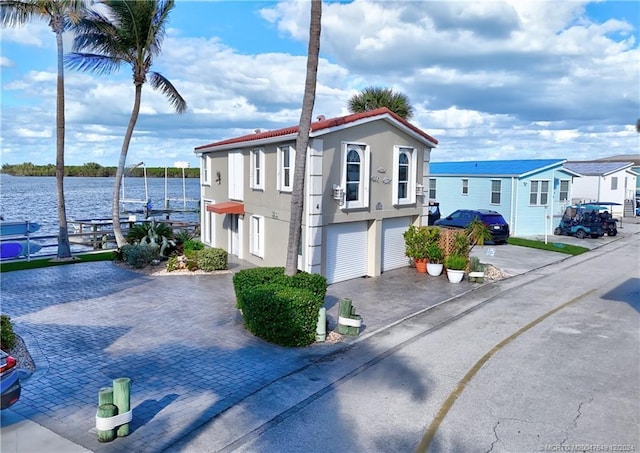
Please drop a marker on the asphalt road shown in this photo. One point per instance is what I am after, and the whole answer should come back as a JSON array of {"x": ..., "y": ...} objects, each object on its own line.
[{"x": 547, "y": 361}]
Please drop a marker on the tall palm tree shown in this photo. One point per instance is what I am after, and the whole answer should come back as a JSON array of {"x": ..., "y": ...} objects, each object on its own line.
[
  {"x": 60, "y": 14},
  {"x": 302, "y": 140},
  {"x": 372, "y": 98},
  {"x": 129, "y": 33}
]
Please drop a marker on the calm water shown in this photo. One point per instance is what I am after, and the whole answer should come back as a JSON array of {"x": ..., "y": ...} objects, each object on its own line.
[{"x": 34, "y": 198}]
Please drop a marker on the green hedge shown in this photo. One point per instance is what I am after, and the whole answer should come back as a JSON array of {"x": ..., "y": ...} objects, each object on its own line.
[{"x": 279, "y": 308}]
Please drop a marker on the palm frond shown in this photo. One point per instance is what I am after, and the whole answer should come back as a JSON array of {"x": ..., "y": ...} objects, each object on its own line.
[
  {"x": 15, "y": 13},
  {"x": 98, "y": 64},
  {"x": 159, "y": 82}
]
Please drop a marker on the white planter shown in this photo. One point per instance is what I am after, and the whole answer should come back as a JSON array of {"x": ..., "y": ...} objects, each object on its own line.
[
  {"x": 455, "y": 276},
  {"x": 434, "y": 269}
]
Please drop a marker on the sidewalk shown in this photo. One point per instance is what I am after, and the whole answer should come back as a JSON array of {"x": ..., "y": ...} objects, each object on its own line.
[{"x": 182, "y": 342}]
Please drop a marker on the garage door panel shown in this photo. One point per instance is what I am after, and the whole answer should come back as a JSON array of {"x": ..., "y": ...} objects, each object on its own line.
[
  {"x": 346, "y": 251},
  {"x": 393, "y": 248}
]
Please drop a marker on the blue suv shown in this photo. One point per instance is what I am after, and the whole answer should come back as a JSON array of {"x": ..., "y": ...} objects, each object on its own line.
[{"x": 463, "y": 217}]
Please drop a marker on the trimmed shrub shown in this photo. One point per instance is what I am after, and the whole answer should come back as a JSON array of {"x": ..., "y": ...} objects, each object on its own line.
[
  {"x": 252, "y": 278},
  {"x": 282, "y": 315},
  {"x": 7, "y": 335},
  {"x": 140, "y": 255},
  {"x": 193, "y": 244},
  {"x": 213, "y": 259},
  {"x": 279, "y": 308}
]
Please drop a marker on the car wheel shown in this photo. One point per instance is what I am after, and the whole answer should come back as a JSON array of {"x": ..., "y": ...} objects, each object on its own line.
[
  {"x": 612, "y": 232},
  {"x": 581, "y": 234},
  {"x": 557, "y": 231}
]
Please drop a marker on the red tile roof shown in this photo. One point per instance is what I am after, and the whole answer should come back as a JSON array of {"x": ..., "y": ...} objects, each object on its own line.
[{"x": 320, "y": 125}]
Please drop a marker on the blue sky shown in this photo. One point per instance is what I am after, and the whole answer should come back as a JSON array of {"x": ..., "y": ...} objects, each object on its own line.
[{"x": 490, "y": 80}]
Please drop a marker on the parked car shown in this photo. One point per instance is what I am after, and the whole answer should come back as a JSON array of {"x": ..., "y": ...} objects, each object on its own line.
[
  {"x": 493, "y": 219},
  {"x": 9, "y": 380}
]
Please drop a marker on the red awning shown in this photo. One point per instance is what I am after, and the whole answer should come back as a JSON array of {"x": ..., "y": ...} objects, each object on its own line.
[{"x": 228, "y": 207}]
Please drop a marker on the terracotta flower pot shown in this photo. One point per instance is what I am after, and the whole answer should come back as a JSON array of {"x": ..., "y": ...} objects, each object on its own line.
[{"x": 421, "y": 265}]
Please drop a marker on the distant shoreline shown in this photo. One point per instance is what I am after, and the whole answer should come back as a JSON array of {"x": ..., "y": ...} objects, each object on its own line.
[{"x": 97, "y": 171}]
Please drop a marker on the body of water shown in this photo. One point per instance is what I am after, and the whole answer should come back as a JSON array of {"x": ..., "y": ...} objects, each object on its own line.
[{"x": 34, "y": 198}]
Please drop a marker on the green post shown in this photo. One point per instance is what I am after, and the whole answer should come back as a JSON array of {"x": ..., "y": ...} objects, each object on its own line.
[
  {"x": 106, "y": 408},
  {"x": 122, "y": 399},
  {"x": 344, "y": 312},
  {"x": 104, "y": 411}
]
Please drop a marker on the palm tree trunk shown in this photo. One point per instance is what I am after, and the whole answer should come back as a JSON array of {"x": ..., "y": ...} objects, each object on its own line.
[
  {"x": 64, "y": 249},
  {"x": 115, "y": 206},
  {"x": 302, "y": 140}
]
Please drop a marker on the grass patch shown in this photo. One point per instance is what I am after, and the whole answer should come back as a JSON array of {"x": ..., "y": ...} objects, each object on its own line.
[
  {"x": 36, "y": 263},
  {"x": 551, "y": 246}
]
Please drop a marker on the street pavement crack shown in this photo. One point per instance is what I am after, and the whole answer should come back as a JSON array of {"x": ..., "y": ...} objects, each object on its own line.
[{"x": 495, "y": 433}]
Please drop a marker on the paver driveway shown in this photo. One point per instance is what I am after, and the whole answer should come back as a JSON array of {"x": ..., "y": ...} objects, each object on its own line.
[{"x": 179, "y": 338}]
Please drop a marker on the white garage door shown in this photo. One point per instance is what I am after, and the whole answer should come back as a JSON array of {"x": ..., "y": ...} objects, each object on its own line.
[
  {"x": 346, "y": 251},
  {"x": 393, "y": 248}
]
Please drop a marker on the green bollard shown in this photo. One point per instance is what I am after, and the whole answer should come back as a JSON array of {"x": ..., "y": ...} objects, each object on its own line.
[
  {"x": 122, "y": 399},
  {"x": 105, "y": 411},
  {"x": 106, "y": 408},
  {"x": 344, "y": 312}
]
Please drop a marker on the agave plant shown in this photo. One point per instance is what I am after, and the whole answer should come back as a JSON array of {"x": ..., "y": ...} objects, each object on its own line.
[{"x": 152, "y": 233}]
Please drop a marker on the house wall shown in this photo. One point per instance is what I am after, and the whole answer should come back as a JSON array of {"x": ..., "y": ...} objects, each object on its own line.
[
  {"x": 598, "y": 188},
  {"x": 324, "y": 168}
]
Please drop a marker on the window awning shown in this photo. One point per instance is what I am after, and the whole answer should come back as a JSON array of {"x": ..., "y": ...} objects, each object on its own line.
[{"x": 227, "y": 207}]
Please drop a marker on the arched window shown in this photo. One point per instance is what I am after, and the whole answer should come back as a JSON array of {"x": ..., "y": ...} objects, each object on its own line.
[
  {"x": 403, "y": 175},
  {"x": 352, "y": 191}
]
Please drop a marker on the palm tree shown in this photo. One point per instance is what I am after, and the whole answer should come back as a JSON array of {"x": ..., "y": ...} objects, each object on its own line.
[
  {"x": 302, "y": 140},
  {"x": 129, "y": 33},
  {"x": 61, "y": 15},
  {"x": 372, "y": 98}
]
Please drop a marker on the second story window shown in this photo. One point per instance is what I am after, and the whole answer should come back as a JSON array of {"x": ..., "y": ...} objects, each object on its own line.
[
  {"x": 404, "y": 175},
  {"x": 355, "y": 176},
  {"x": 257, "y": 169},
  {"x": 286, "y": 165},
  {"x": 204, "y": 169}
]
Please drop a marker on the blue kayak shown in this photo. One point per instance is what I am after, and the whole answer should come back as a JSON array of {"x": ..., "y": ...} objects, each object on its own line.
[{"x": 18, "y": 228}]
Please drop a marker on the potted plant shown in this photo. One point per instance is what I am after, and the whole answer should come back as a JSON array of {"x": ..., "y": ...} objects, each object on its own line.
[
  {"x": 416, "y": 242},
  {"x": 435, "y": 258},
  {"x": 456, "y": 264}
]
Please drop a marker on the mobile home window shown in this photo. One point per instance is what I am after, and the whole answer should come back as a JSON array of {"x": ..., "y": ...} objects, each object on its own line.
[
  {"x": 614, "y": 183},
  {"x": 539, "y": 194},
  {"x": 496, "y": 191},
  {"x": 432, "y": 188},
  {"x": 564, "y": 190},
  {"x": 465, "y": 187}
]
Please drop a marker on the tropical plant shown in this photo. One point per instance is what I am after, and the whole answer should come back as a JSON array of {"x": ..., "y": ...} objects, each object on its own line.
[
  {"x": 7, "y": 335},
  {"x": 460, "y": 245},
  {"x": 435, "y": 253},
  {"x": 60, "y": 15},
  {"x": 302, "y": 139},
  {"x": 153, "y": 234},
  {"x": 456, "y": 262},
  {"x": 477, "y": 233},
  {"x": 416, "y": 242},
  {"x": 371, "y": 98},
  {"x": 130, "y": 32}
]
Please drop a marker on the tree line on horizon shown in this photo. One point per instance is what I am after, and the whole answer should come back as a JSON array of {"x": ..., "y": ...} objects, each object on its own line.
[{"x": 93, "y": 169}]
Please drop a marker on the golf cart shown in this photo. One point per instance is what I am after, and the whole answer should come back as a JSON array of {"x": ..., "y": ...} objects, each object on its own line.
[{"x": 591, "y": 219}]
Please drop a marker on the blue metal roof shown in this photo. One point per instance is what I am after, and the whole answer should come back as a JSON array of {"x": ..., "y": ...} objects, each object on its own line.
[{"x": 493, "y": 167}]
